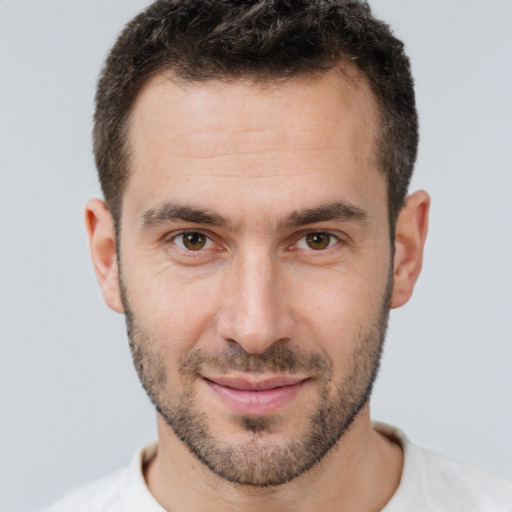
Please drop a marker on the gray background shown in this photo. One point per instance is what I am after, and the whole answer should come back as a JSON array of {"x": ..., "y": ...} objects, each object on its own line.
[{"x": 71, "y": 408}]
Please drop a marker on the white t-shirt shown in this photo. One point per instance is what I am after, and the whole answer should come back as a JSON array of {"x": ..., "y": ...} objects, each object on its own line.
[{"x": 430, "y": 482}]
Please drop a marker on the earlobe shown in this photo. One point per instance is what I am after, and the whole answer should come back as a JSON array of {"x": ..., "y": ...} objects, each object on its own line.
[
  {"x": 102, "y": 243},
  {"x": 411, "y": 232}
]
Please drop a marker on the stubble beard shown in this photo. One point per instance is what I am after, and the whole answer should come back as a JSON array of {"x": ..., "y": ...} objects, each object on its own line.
[{"x": 260, "y": 461}]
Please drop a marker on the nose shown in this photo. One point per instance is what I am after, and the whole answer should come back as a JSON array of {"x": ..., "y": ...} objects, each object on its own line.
[{"x": 255, "y": 313}]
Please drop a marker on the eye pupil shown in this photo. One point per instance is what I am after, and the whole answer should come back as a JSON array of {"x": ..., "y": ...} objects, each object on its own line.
[
  {"x": 318, "y": 241},
  {"x": 194, "y": 241}
]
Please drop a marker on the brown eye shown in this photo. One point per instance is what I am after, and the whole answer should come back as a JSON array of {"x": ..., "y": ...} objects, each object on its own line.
[
  {"x": 318, "y": 241},
  {"x": 193, "y": 241}
]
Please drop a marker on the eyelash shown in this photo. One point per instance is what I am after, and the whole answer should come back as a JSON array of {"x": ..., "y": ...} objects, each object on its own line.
[
  {"x": 182, "y": 234},
  {"x": 332, "y": 238},
  {"x": 334, "y": 241}
]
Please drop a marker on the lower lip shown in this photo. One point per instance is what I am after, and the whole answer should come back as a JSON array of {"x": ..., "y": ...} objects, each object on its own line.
[{"x": 256, "y": 403}]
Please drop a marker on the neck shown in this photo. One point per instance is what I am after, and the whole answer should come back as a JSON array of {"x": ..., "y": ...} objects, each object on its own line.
[{"x": 361, "y": 474}]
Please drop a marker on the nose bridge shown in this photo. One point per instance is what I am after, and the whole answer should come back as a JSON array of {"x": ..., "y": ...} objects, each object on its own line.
[{"x": 255, "y": 313}]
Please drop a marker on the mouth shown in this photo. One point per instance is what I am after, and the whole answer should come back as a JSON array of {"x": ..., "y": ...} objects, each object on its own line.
[{"x": 256, "y": 397}]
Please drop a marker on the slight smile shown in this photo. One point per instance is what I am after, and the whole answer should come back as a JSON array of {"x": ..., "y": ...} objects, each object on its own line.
[{"x": 256, "y": 397}]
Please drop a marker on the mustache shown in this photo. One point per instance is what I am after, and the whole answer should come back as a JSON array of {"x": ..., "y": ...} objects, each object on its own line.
[{"x": 278, "y": 358}]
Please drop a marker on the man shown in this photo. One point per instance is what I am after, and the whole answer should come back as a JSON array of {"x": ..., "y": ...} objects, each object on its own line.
[{"x": 255, "y": 159}]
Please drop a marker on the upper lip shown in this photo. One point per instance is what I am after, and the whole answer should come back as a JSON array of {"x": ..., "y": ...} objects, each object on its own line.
[{"x": 247, "y": 384}]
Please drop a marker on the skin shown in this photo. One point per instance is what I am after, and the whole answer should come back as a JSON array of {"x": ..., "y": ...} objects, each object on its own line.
[{"x": 256, "y": 155}]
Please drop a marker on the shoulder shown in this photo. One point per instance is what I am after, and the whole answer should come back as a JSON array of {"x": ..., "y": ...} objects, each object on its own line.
[
  {"x": 123, "y": 490},
  {"x": 102, "y": 495},
  {"x": 448, "y": 480},
  {"x": 434, "y": 482}
]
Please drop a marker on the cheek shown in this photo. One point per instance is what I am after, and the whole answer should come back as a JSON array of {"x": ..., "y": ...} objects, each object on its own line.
[
  {"x": 174, "y": 311},
  {"x": 339, "y": 308}
]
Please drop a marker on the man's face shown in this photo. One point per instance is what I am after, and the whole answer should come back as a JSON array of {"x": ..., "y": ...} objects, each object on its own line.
[{"x": 255, "y": 263}]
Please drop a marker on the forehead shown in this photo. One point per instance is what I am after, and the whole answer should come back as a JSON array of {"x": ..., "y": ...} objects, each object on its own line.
[
  {"x": 324, "y": 104},
  {"x": 275, "y": 139}
]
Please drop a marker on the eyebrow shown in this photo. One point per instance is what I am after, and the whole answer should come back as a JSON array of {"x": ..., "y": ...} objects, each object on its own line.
[
  {"x": 340, "y": 211},
  {"x": 171, "y": 212}
]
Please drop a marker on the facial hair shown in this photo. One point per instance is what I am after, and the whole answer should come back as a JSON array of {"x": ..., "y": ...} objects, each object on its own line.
[{"x": 260, "y": 461}]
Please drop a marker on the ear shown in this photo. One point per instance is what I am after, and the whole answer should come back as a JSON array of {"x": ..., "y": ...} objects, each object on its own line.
[
  {"x": 102, "y": 243},
  {"x": 411, "y": 232}
]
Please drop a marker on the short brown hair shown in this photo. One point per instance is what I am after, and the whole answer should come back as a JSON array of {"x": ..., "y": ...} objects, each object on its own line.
[{"x": 265, "y": 40}]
